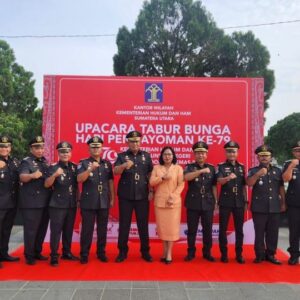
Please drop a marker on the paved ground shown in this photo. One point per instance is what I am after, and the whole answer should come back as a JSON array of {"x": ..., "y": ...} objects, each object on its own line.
[{"x": 150, "y": 290}]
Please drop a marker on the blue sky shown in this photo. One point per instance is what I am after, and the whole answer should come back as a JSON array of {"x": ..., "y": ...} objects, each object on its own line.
[{"x": 93, "y": 56}]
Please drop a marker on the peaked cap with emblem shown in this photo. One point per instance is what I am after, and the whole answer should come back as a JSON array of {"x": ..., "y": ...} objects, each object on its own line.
[
  {"x": 37, "y": 141},
  {"x": 296, "y": 146},
  {"x": 264, "y": 150},
  {"x": 134, "y": 136},
  {"x": 200, "y": 147},
  {"x": 95, "y": 142},
  {"x": 5, "y": 141},
  {"x": 231, "y": 145},
  {"x": 64, "y": 146}
]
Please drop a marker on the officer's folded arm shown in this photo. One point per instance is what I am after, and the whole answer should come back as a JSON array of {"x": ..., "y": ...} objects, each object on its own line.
[
  {"x": 118, "y": 170},
  {"x": 223, "y": 180},
  {"x": 192, "y": 175},
  {"x": 50, "y": 180},
  {"x": 82, "y": 177},
  {"x": 251, "y": 180},
  {"x": 288, "y": 173},
  {"x": 28, "y": 177}
]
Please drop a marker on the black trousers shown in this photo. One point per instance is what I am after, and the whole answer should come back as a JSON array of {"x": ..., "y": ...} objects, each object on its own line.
[
  {"x": 35, "y": 228},
  {"x": 7, "y": 217},
  {"x": 193, "y": 217},
  {"x": 89, "y": 216},
  {"x": 61, "y": 225},
  {"x": 266, "y": 227},
  {"x": 238, "y": 219},
  {"x": 141, "y": 209},
  {"x": 294, "y": 230}
]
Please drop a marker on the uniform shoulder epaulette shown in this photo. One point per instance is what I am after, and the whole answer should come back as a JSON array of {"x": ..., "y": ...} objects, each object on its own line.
[
  {"x": 211, "y": 165},
  {"x": 83, "y": 159},
  {"x": 190, "y": 164},
  {"x": 240, "y": 163},
  {"x": 28, "y": 159},
  {"x": 287, "y": 161}
]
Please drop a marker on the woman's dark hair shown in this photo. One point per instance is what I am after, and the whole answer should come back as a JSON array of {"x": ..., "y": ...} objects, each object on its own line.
[{"x": 161, "y": 161}]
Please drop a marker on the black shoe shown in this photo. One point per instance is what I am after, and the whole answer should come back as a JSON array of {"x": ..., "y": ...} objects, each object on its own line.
[
  {"x": 69, "y": 256},
  {"x": 273, "y": 260},
  {"x": 121, "y": 257},
  {"x": 224, "y": 259},
  {"x": 40, "y": 257},
  {"x": 209, "y": 257},
  {"x": 189, "y": 257},
  {"x": 103, "y": 258},
  {"x": 30, "y": 261},
  {"x": 147, "y": 257},
  {"x": 293, "y": 261},
  {"x": 9, "y": 258},
  {"x": 168, "y": 261},
  {"x": 54, "y": 261},
  {"x": 162, "y": 259},
  {"x": 258, "y": 260},
  {"x": 240, "y": 259},
  {"x": 84, "y": 260}
]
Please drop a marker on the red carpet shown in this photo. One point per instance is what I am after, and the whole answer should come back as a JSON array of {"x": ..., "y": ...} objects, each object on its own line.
[{"x": 136, "y": 269}]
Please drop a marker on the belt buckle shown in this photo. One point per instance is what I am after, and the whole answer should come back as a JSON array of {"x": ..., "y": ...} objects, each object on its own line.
[
  {"x": 70, "y": 189},
  {"x": 100, "y": 188},
  {"x": 137, "y": 177},
  {"x": 235, "y": 189},
  {"x": 202, "y": 190}
]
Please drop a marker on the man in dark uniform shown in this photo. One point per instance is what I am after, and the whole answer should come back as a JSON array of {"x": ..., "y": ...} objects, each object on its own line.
[
  {"x": 200, "y": 201},
  {"x": 268, "y": 200},
  {"x": 62, "y": 177},
  {"x": 232, "y": 200},
  {"x": 96, "y": 198},
  {"x": 34, "y": 200},
  {"x": 291, "y": 174},
  {"x": 134, "y": 166},
  {"x": 9, "y": 183}
]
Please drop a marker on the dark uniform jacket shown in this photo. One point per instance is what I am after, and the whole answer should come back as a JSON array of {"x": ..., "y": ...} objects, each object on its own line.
[
  {"x": 33, "y": 194},
  {"x": 265, "y": 192},
  {"x": 232, "y": 194},
  {"x": 199, "y": 195},
  {"x": 9, "y": 183},
  {"x": 133, "y": 184},
  {"x": 64, "y": 189},
  {"x": 293, "y": 191},
  {"x": 95, "y": 190}
]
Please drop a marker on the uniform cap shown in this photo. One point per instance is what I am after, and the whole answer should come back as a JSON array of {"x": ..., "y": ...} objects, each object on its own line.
[
  {"x": 200, "y": 147},
  {"x": 95, "y": 142},
  {"x": 134, "y": 136}
]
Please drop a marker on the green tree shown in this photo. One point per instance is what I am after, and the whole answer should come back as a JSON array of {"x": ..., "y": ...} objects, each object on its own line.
[
  {"x": 283, "y": 135},
  {"x": 17, "y": 94},
  {"x": 14, "y": 127},
  {"x": 19, "y": 117},
  {"x": 180, "y": 38}
]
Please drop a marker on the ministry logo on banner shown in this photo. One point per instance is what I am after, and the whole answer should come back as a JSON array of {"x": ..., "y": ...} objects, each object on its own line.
[{"x": 153, "y": 92}]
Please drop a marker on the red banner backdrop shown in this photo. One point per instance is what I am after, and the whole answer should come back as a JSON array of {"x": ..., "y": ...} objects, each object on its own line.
[{"x": 168, "y": 111}]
